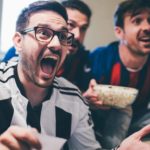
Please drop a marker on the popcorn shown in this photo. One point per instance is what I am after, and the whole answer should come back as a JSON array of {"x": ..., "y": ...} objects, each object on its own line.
[{"x": 116, "y": 96}]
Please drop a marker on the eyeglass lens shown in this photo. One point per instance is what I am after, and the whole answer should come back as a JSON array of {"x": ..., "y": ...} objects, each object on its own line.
[{"x": 45, "y": 34}]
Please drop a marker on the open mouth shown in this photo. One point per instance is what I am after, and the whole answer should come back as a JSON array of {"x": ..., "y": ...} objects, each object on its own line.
[
  {"x": 144, "y": 38},
  {"x": 48, "y": 64},
  {"x": 145, "y": 41}
]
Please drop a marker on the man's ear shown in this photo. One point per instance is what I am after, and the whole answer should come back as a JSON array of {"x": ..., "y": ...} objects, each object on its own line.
[
  {"x": 119, "y": 32},
  {"x": 17, "y": 40}
]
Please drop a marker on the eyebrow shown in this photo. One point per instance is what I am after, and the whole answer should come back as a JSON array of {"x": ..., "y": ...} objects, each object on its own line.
[
  {"x": 74, "y": 22},
  {"x": 48, "y": 26}
]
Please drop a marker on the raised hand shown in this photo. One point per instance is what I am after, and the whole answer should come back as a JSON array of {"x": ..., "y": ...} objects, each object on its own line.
[
  {"x": 134, "y": 142},
  {"x": 18, "y": 138}
]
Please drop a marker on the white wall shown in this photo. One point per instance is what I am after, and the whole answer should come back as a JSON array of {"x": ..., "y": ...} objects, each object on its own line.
[
  {"x": 101, "y": 29},
  {"x": 99, "y": 33},
  {"x": 1, "y": 4},
  {"x": 9, "y": 20}
]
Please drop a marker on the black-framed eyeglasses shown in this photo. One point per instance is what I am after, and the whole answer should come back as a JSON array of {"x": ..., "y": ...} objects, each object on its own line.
[{"x": 44, "y": 34}]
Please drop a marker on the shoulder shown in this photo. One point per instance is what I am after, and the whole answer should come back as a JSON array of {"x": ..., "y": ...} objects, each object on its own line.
[
  {"x": 7, "y": 69},
  {"x": 60, "y": 81},
  {"x": 105, "y": 49},
  {"x": 63, "y": 85},
  {"x": 104, "y": 52},
  {"x": 6, "y": 73},
  {"x": 67, "y": 89}
]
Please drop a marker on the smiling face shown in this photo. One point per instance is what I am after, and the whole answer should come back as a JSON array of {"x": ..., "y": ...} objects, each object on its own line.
[
  {"x": 77, "y": 24},
  {"x": 136, "y": 32},
  {"x": 40, "y": 61}
]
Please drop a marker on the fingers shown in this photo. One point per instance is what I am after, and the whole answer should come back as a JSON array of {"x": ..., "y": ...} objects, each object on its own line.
[
  {"x": 90, "y": 91},
  {"x": 19, "y": 138},
  {"x": 2, "y": 147},
  {"x": 94, "y": 100},
  {"x": 93, "y": 97},
  {"x": 27, "y": 136},
  {"x": 100, "y": 105},
  {"x": 92, "y": 83},
  {"x": 9, "y": 141},
  {"x": 143, "y": 132}
]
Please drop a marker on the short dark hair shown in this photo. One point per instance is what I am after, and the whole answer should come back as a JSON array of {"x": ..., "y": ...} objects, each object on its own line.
[
  {"x": 129, "y": 6},
  {"x": 23, "y": 18},
  {"x": 78, "y": 5}
]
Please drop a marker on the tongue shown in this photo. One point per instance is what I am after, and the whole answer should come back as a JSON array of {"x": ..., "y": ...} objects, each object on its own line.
[{"x": 47, "y": 66}]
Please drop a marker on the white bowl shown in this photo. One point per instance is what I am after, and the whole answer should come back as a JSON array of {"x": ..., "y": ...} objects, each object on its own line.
[{"x": 116, "y": 96}]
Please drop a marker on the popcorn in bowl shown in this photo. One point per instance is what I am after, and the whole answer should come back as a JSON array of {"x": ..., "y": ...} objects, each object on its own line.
[{"x": 116, "y": 96}]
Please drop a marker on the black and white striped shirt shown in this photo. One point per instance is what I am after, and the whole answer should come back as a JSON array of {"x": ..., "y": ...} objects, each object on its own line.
[{"x": 64, "y": 113}]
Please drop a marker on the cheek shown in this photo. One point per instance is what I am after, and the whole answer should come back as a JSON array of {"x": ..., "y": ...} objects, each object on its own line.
[
  {"x": 31, "y": 43},
  {"x": 131, "y": 30},
  {"x": 27, "y": 58},
  {"x": 82, "y": 36},
  {"x": 33, "y": 49},
  {"x": 131, "y": 37},
  {"x": 74, "y": 31}
]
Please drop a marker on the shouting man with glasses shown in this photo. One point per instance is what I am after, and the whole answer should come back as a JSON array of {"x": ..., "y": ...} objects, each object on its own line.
[
  {"x": 30, "y": 93},
  {"x": 32, "y": 96}
]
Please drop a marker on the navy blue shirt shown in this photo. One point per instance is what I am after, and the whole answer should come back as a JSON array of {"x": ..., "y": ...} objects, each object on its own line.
[{"x": 107, "y": 68}]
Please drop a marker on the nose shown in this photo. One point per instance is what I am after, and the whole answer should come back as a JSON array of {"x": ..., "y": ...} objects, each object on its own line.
[
  {"x": 146, "y": 26},
  {"x": 55, "y": 43}
]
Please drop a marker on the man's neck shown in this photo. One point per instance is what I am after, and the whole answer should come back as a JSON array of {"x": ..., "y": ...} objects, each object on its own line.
[
  {"x": 34, "y": 93},
  {"x": 132, "y": 61}
]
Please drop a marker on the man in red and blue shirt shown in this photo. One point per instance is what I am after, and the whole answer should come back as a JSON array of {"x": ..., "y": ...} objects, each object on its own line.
[{"x": 124, "y": 63}]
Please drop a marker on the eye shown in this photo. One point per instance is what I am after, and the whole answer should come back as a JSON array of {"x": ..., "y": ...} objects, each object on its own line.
[
  {"x": 71, "y": 26},
  {"x": 43, "y": 33},
  {"x": 84, "y": 28},
  {"x": 137, "y": 21}
]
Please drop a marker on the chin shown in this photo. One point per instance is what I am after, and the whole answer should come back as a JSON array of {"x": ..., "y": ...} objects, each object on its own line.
[
  {"x": 44, "y": 82},
  {"x": 45, "y": 85}
]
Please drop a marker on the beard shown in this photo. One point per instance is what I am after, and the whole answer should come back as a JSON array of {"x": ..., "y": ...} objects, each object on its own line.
[{"x": 75, "y": 47}]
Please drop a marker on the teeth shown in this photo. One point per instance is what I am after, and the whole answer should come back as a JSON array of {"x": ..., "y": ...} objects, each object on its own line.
[
  {"x": 146, "y": 38},
  {"x": 52, "y": 57}
]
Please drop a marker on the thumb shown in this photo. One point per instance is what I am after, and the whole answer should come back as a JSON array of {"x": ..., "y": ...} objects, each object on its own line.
[
  {"x": 92, "y": 83},
  {"x": 90, "y": 88},
  {"x": 143, "y": 132}
]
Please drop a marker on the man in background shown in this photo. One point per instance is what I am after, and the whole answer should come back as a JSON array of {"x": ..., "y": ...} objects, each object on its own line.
[
  {"x": 124, "y": 63},
  {"x": 79, "y": 16}
]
